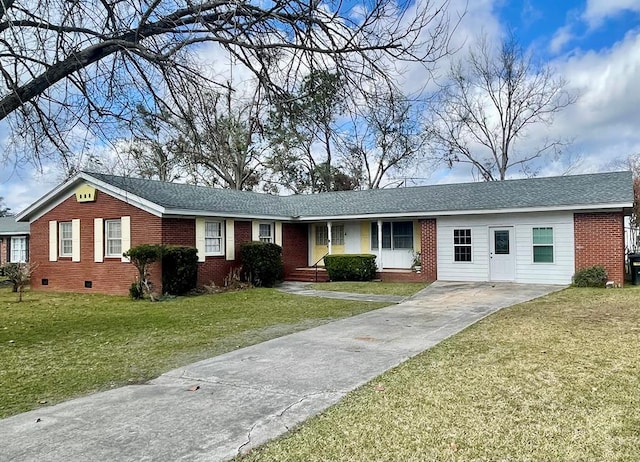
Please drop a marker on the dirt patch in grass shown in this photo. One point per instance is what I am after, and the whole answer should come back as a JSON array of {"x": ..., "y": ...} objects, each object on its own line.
[
  {"x": 56, "y": 346},
  {"x": 554, "y": 379}
]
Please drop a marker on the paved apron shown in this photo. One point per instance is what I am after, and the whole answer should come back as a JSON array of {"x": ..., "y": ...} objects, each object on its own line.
[{"x": 251, "y": 395}]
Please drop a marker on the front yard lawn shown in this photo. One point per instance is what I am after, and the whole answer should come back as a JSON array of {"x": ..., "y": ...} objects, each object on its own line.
[
  {"x": 375, "y": 288},
  {"x": 555, "y": 379},
  {"x": 56, "y": 346}
]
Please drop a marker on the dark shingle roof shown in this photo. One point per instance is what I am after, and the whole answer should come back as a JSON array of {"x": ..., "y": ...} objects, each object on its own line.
[
  {"x": 10, "y": 227},
  {"x": 574, "y": 191}
]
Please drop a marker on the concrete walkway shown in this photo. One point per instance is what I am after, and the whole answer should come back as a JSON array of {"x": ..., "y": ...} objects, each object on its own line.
[{"x": 214, "y": 409}]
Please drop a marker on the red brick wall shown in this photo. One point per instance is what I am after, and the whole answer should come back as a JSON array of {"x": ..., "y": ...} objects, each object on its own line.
[
  {"x": 429, "y": 252},
  {"x": 295, "y": 246},
  {"x": 215, "y": 269},
  {"x": 4, "y": 258},
  {"x": 599, "y": 240},
  {"x": 111, "y": 276},
  {"x": 179, "y": 231}
]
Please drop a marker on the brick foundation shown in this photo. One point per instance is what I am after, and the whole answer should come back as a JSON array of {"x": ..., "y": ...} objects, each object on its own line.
[{"x": 599, "y": 240}]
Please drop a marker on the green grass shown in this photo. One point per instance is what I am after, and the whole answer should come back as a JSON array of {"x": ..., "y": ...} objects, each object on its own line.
[
  {"x": 56, "y": 346},
  {"x": 376, "y": 288},
  {"x": 555, "y": 379}
]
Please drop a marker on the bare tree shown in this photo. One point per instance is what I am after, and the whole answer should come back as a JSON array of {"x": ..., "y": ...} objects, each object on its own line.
[
  {"x": 387, "y": 137},
  {"x": 302, "y": 132},
  {"x": 220, "y": 140},
  {"x": 68, "y": 68},
  {"x": 154, "y": 152},
  {"x": 4, "y": 211},
  {"x": 490, "y": 103}
]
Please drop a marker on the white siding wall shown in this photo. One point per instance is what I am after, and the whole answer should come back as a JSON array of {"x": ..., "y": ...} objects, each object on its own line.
[{"x": 558, "y": 272}]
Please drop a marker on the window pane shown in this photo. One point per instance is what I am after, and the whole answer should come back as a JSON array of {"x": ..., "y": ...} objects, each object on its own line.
[
  {"x": 337, "y": 234},
  {"x": 115, "y": 247},
  {"x": 212, "y": 245},
  {"x": 386, "y": 235},
  {"x": 265, "y": 229},
  {"x": 462, "y": 253},
  {"x": 543, "y": 236},
  {"x": 462, "y": 236},
  {"x": 65, "y": 230},
  {"x": 114, "y": 231},
  {"x": 403, "y": 235},
  {"x": 501, "y": 242},
  {"x": 543, "y": 254},
  {"x": 321, "y": 235},
  {"x": 213, "y": 229}
]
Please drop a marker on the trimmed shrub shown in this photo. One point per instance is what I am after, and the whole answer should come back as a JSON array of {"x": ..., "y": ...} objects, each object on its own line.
[
  {"x": 350, "y": 267},
  {"x": 142, "y": 256},
  {"x": 179, "y": 269},
  {"x": 261, "y": 263},
  {"x": 594, "y": 276}
]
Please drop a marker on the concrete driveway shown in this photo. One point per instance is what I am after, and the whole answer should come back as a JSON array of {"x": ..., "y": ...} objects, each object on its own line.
[{"x": 214, "y": 409}]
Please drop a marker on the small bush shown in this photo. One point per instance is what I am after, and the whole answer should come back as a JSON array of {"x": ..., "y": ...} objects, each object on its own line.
[
  {"x": 594, "y": 276},
  {"x": 179, "y": 269},
  {"x": 135, "y": 291},
  {"x": 350, "y": 267},
  {"x": 261, "y": 263},
  {"x": 142, "y": 256}
]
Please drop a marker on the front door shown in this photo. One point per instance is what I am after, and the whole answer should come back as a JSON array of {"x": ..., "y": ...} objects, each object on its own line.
[{"x": 502, "y": 258}]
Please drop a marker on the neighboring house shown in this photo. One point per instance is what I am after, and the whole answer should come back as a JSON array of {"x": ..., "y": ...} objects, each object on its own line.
[
  {"x": 531, "y": 231},
  {"x": 14, "y": 241}
]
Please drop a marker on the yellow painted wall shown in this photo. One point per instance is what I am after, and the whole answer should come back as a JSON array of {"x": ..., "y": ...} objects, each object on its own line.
[
  {"x": 319, "y": 251},
  {"x": 365, "y": 237}
]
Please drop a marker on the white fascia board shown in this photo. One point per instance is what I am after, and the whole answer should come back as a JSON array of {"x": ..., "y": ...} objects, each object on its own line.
[
  {"x": 59, "y": 194},
  {"x": 45, "y": 200},
  {"x": 16, "y": 233},
  {"x": 183, "y": 213},
  {"x": 435, "y": 214}
]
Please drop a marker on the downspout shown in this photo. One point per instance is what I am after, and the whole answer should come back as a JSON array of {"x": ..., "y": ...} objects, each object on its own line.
[{"x": 380, "y": 266}]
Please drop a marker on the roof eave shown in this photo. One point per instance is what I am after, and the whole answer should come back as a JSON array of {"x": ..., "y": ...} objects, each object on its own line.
[
  {"x": 57, "y": 195},
  {"x": 436, "y": 213}
]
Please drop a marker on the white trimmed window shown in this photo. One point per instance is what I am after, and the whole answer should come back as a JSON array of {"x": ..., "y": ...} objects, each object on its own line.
[
  {"x": 462, "y": 245},
  {"x": 213, "y": 238},
  {"x": 265, "y": 232},
  {"x": 113, "y": 238},
  {"x": 66, "y": 239},
  {"x": 396, "y": 235},
  {"x": 543, "y": 245},
  {"x": 18, "y": 249}
]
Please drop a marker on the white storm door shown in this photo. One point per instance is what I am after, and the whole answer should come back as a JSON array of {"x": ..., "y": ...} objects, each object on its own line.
[
  {"x": 502, "y": 258},
  {"x": 352, "y": 238}
]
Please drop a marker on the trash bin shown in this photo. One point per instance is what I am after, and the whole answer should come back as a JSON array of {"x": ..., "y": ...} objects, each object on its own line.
[{"x": 634, "y": 268}]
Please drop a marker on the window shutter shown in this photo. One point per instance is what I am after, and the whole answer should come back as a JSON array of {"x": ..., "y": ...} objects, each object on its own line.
[
  {"x": 9, "y": 259},
  {"x": 98, "y": 240},
  {"x": 75, "y": 240},
  {"x": 230, "y": 244},
  {"x": 278, "y": 232},
  {"x": 200, "y": 225},
  {"x": 125, "y": 236},
  {"x": 53, "y": 241},
  {"x": 255, "y": 230}
]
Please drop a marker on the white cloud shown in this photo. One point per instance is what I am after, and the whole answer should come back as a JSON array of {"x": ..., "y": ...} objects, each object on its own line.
[
  {"x": 597, "y": 11},
  {"x": 562, "y": 36}
]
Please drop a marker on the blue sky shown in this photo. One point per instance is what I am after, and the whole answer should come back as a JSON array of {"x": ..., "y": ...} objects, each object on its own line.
[{"x": 594, "y": 44}]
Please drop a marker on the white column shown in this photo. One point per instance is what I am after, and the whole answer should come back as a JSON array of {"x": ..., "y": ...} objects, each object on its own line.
[
  {"x": 380, "y": 266},
  {"x": 329, "y": 236}
]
